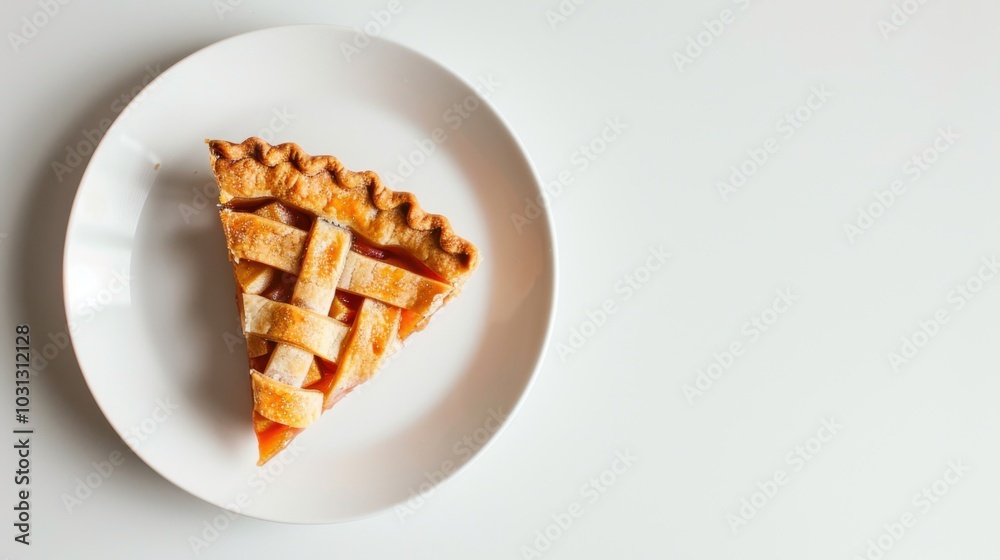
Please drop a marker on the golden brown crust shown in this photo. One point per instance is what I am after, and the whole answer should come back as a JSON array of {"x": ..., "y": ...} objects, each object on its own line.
[{"x": 357, "y": 200}]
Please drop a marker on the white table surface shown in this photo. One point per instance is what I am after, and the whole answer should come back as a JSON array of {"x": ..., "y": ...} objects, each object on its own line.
[{"x": 814, "y": 402}]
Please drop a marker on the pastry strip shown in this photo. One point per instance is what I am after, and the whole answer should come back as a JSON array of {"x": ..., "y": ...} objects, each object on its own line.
[
  {"x": 281, "y": 322},
  {"x": 372, "y": 338},
  {"x": 286, "y": 405}
]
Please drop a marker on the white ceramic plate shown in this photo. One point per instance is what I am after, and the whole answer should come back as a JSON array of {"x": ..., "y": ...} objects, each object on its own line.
[{"x": 150, "y": 297}]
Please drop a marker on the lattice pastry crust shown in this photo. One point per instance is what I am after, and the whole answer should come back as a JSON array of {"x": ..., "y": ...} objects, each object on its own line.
[{"x": 334, "y": 270}]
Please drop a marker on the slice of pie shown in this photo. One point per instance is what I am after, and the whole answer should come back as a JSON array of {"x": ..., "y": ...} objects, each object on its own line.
[{"x": 333, "y": 271}]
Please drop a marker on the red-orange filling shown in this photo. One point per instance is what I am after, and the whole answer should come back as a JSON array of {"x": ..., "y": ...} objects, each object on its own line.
[
  {"x": 272, "y": 437},
  {"x": 394, "y": 256},
  {"x": 352, "y": 302}
]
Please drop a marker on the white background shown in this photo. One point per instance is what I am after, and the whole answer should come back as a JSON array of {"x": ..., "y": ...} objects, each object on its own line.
[{"x": 622, "y": 391}]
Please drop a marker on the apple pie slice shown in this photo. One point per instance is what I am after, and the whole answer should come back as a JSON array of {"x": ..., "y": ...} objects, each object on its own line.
[{"x": 333, "y": 271}]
